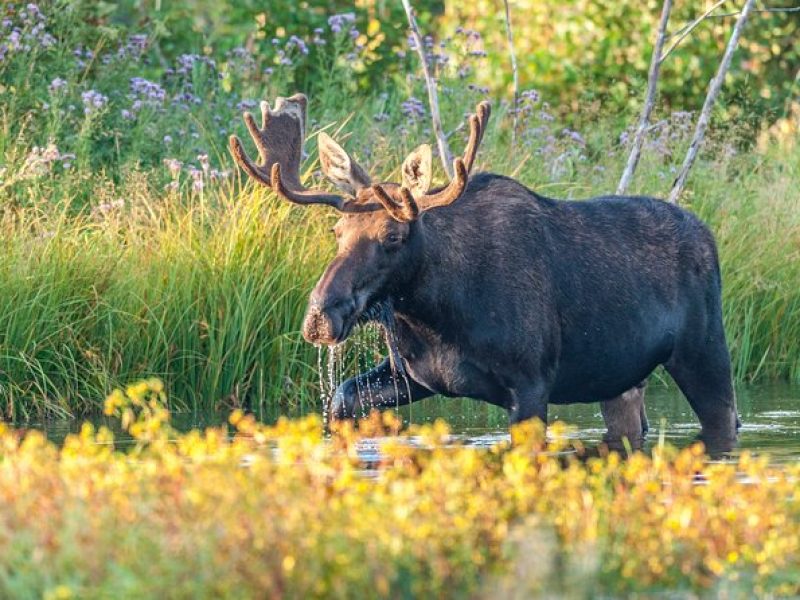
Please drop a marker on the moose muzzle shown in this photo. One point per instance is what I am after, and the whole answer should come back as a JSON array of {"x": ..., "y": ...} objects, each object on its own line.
[
  {"x": 328, "y": 325},
  {"x": 319, "y": 328}
]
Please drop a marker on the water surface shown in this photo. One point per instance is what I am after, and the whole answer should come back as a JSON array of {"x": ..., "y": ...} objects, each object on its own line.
[
  {"x": 770, "y": 420},
  {"x": 770, "y": 417}
]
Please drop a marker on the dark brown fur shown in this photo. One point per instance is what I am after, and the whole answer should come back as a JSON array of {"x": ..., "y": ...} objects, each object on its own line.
[{"x": 521, "y": 301}]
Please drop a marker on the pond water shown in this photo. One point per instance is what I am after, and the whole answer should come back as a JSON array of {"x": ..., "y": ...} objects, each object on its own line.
[
  {"x": 770, "y": 417},
  {"x": 770, "y": 420}
]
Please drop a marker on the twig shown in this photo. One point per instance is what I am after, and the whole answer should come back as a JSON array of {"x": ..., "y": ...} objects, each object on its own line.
[
  {"x": 433, "y": 100},
  {"x": 705, "y": 113},
  {"x": 510, "y": 38},
  {"x": 456, "y": 130},
  {"x": 757, "y": 10},
  {"x": 686, "y": 30},
  {"x": 649, "y": 103}
]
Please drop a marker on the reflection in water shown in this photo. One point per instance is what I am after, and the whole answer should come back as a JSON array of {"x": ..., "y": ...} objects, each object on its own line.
[{"x": 770, "y": 420}]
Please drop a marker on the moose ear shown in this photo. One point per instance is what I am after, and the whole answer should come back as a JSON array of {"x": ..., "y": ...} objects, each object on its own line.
[
  {"x": 417, "y": 170},
  {"x": 339, "y": 167}
]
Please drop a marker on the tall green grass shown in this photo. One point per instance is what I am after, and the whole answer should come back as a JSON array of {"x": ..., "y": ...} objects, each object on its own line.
[
  {"x": 208, "y": 292},
  {"x": 207, "y": 296}
]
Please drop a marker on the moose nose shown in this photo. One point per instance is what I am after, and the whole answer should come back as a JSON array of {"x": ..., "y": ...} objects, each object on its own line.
[
  {"x": 316, "y": 327},
  {"x": 322, "y": 327}
]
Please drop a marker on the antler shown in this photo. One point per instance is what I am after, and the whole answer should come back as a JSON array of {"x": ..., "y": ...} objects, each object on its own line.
[
  {"x": 477, "y": 127},
  {"x": 280, "y": 143},
  {"x": 449, "y": 193},
  {"x": 407, "y": 208},
  {"x": 404, "y": 211}
]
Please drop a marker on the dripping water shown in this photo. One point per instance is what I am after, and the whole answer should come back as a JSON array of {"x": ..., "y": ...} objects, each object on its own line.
[
  {"x": 381, "y": 317},
  {"x": 377, "y": 332},
  {"x": 322, "y": 391}
]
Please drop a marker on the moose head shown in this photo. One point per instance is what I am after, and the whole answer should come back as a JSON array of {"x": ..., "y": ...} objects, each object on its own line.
[{"x": 379, "y": 235}]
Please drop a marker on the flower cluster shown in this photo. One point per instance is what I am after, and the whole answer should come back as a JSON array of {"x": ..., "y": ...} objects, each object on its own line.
[
  {"x": 342, "y": 21},
  {"x": 40, "y": 161},
  {"x": 57, "y": 85},
  {"x": 456, "y": 54},
  {"x": 23, "y": 30},
  {"x": 143, "y": 93},
  {"x": 133, "y": 49},
  {"x": 199, "y": 177},
  {"x": 241, "y": 60},
  {"x": 283, "y": 511},
  {"x": 186, "y": 64},
  {"x": 93, "y": 102},
  {"x": 413, "y": 109}
]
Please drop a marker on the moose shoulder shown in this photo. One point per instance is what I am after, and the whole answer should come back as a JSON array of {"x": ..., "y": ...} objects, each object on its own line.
[{"x": 501, "y": 294}]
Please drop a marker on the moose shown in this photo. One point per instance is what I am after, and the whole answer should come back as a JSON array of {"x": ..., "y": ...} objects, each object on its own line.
[{"x": 501, "y": 294}]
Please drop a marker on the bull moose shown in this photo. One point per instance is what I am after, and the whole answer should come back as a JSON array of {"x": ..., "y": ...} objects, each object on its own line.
[{"x": 498, "y": 293}]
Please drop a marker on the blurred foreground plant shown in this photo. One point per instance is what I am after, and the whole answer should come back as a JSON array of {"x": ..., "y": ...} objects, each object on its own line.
[{"x": 285, "y": 511}]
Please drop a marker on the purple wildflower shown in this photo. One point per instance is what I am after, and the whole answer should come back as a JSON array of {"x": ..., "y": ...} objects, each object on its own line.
[
  {"x": 174, "y": 167},
  {"x": 57, "y": 84},
  {"x": 413, "y": 108},
  {"x": 246, "y": 105},
  {"x": 147, "y": 90},
  {"x": 340, "y": 21},
  {"x": 197, "y": 178},
  {"x": 93, "y": 101},
  {"x": 296, "y": 42}
]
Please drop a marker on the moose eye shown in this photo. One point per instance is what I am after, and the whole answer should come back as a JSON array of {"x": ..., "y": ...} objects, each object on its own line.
[{"x": 393, "y": 240}]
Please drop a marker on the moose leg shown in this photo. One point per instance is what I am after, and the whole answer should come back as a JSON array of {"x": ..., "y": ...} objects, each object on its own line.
[
  {"x": 381, "y": 387},
  {"x": 707, "y": 386},
  {"x": 528, "y": 402},
  {"x": 625, "y": 417},
  {"x": 701, "y": 366}
]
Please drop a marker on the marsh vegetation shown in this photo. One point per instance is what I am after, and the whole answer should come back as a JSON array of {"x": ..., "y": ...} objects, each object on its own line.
[{"x": 131, "y": 248}]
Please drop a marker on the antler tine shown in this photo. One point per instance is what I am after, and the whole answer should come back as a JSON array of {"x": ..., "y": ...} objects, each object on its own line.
[
  {"x": 451, "y": 192},
  {"x": 303, "y": 195},
  {"x": 404, "y": 211},
  {"x": 241, "y": 158},
  {"x": 477, "y": 127},
  {"x": 280, "y": 142}
]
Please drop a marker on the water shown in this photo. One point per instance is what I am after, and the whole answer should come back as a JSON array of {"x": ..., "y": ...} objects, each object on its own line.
[{"x": 770, "y": 419}]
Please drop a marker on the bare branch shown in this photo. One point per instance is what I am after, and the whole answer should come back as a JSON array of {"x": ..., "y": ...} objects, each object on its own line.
[
  {"x": 705, "y": 113},
  {"x": 757, "y": 10},
  {"x": 510, "y": 38},
  {"x": 650, "y": 100},
  {"x": 686, "y": 30},
  {"x": 441, "y": 140}
]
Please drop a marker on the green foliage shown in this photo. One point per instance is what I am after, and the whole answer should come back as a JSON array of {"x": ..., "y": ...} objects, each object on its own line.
[
  {"x": 575, "y": 52},
  {"x": 130, "y": 248},
  {"x": 581, "y": 51}
]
